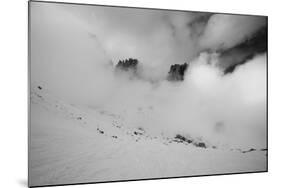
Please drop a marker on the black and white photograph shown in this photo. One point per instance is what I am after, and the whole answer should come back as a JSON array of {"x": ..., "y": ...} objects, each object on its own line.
[{"x": 122, "y": 93}]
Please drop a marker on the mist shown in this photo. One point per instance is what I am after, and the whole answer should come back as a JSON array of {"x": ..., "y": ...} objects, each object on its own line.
[
  {"x": 74, "y": 53},
  {"x": 226, "y": 110}
]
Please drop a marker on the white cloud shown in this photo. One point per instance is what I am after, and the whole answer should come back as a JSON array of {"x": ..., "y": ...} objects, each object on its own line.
[
  {"x": 74, "y": 65},
  {"x": 225, "y": 31}
]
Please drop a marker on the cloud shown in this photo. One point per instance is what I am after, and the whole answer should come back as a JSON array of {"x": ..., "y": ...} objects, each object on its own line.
[
  {"x": 157, "y": 38},
  {"x": 197, "y": 105},
  {"x": 64, "y": 57},
  {"x": 73, "y": 48},
  {"x": 225, "y": 31}
]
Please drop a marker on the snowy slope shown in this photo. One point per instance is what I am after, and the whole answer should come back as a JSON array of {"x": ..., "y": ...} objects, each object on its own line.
[{"x": 75, "y": 144}]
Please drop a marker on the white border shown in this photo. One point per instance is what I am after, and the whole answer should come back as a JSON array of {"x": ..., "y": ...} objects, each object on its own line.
[{"x": 13, "y": 92}]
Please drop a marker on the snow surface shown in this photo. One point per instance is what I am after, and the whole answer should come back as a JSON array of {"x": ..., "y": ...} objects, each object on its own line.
[{"x": 76, "y": 144}]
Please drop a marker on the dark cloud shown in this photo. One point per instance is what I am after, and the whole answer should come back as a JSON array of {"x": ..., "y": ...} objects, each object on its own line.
[
  {"x": 224, "y": 31},
  {"x": 234, "y": 38},
  {"x": 244, "y": 51}
]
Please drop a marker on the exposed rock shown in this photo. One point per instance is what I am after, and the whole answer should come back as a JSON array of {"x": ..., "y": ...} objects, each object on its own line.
[
  {"x": 139, "y": 131},
  {"x": 178, "y": 141},
  {"x": 200, "y": 144},
  {"x": 100, "y": 131},
  {"x": 177, "y": 71},
  {"x": 250, "y": 150},
  {"x": 180, "y": 138},
  {"x": 127, "y": 64}
]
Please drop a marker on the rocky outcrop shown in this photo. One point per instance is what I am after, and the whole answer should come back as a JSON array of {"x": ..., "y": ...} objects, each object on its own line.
[
  {"x": 177, "y": 71},
  {"x": 195, "y": 142},
  {"x": 181, "y": 138},
  {"x": 127, "y": 65}
]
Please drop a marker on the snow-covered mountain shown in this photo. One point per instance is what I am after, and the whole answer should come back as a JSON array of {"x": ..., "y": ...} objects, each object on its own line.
[{"x": 75, "y": 144}]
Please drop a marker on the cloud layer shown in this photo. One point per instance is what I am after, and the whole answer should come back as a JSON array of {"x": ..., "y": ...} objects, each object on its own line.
[
  {"x": 74, "y": 48},
  {"x": 225, "y": 31}
]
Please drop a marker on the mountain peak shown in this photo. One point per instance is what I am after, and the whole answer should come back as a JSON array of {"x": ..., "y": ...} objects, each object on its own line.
[
  {"x": 177, "y": 71},
  {"x": 127, "y": 64}
]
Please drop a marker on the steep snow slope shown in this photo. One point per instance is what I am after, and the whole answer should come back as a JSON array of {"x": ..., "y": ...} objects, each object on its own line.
[{"x": 74, "y": 144}]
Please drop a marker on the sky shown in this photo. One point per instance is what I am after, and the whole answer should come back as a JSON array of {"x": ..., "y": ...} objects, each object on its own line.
[{"x": 74, "y": 49}]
